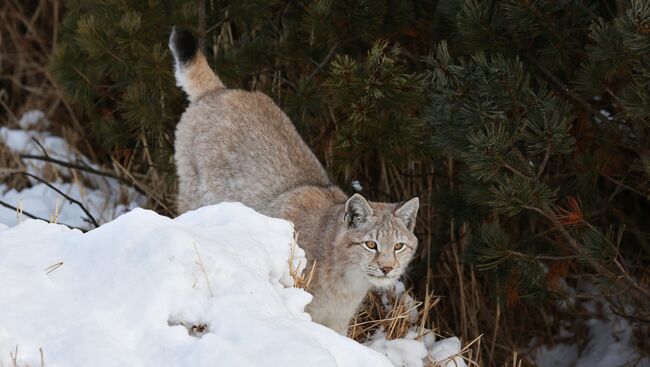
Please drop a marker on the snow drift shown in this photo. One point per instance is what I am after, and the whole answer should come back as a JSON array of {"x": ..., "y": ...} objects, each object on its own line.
[{"x": 211, "y": 287}]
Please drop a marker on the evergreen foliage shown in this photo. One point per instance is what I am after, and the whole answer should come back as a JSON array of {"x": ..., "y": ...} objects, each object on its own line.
[
  {"x": 522, "y": 123},
  {"x": 546, "y": 108},
  {"x": 114, "y": 64}
]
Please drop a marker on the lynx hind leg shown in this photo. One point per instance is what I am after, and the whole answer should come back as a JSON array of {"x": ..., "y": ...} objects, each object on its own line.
[{"x": 188, "y": 177}]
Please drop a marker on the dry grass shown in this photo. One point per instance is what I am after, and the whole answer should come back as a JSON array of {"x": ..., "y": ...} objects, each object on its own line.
[
  {"x": 396, "y": 315},
  {"x": 301, "y": 279},
  {"x": 13, "y": 356},
  {"x": 492, "y": 334},
  {"x": 28, "y": 37},
  {"x": 199, "y": 261}
]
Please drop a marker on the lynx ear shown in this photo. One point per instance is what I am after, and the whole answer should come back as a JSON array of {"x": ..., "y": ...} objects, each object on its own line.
[
  {"x": 408, "y": 211},
  {"x": 357, "y": 211}
]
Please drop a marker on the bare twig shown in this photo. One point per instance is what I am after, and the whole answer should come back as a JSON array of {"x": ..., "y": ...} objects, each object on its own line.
[
  {"x": 629, "y": 317},
  {"x": 70, "y": 199},
  {"x": 53, "y": 267},
  {"x": 559, "y": 85},
  {"x": 14, "y": 357},
  {"x": 84, "y": 169},
  {"x": 578, "y": 249},
  {"x": 9, "y": 206},
  {"x": 322, "y": 64},
  {"x": 38, "y": 143}
]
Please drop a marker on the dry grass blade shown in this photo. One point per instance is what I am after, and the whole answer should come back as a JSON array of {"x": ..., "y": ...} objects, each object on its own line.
[
  {"x": 205, "y": 273},
  {"x": 300, "y": 280},
  {"x": 53, "y": 267},
  {"x": 397, "y": 316},
  {"x": 394, "y": 314},
  {"x": 54, "y": 219},
  {"x": 14, "y": 357}
]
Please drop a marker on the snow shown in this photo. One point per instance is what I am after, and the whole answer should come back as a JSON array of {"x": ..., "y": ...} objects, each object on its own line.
[
  {"x": 23, "y": 141},
  {"x": 31, "y": 118},
  {"x": 106, "y": 200},
  {"x": 419, "y": 344},
  {"x": 609, "y": 344},
  {"x": 211, "y": 287},
  {"x": 446, "y": 350},
  {"x": 401, "y": 352},
  {"x": 46, "y": 203},
  {"x": 130, "y": 292},
  {"x": 610, "y": 341},
  {"x": 356, "y": 186},
  {"x": 411, "y": 352},
  {"x": 124, "y": 291}
]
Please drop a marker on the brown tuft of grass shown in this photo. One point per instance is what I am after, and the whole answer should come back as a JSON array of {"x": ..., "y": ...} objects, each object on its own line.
[
  {"x": 28, "y": 36},
  {"x": 393, "y": 314},
  {"x": 13, "y": 356},
  {"x": 9, "y": 162},
  {"x": 397, "y": 315},
  {"x": 301, "y": 279}
]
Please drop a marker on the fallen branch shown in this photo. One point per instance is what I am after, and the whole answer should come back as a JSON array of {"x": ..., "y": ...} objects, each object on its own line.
[
  {"x": 9, "y": 206},
  {"x": 84, "y": 169},
  {"x": 629, "y": 317},
  {"x": 70, "y": 199}
]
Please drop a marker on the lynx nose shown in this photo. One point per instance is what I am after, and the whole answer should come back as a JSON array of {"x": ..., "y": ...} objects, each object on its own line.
[{"x": 386, "y": 269}]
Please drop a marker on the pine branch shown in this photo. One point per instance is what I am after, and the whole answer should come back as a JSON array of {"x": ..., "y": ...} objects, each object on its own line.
[
  {"x": 559, "y": 85},
  {"x": 547, "y": 154},
  {"x": 576, "y": 248}
]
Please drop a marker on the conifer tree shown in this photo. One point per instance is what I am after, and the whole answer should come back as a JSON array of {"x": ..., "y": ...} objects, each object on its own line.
[
  {"x": 320, "y": 60},
  {"x": 536, "y": 110},
  {"x": 545, "y": 106}
]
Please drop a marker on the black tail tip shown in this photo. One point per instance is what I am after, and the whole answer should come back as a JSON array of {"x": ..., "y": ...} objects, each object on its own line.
[{"x": 183, "y": 44}]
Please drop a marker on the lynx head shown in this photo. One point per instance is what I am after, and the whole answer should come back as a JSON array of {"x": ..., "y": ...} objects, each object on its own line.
[{"x": 378, "y": 238}]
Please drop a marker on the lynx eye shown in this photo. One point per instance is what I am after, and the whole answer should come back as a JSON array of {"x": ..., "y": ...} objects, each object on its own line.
[
  {"x": 399, "y": 246},
  {"x": 371, "y": 245}
]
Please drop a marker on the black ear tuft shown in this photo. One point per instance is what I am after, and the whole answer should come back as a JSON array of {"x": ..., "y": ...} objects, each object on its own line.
[
  {"x": 183, "y": 44},
  {"x": 357, "y": 211}
]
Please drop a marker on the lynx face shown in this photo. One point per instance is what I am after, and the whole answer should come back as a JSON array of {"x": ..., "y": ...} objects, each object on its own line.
[{"x": 379, "y": 242}]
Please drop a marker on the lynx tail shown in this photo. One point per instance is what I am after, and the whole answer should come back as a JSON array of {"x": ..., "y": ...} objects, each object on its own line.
[{"x": 192, "y": 71}]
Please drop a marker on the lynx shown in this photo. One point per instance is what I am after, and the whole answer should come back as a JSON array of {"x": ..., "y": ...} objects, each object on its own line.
[{"x": 238, "y": 146}]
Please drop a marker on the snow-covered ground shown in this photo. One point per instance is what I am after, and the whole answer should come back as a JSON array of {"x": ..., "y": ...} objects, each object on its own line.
[
  {"x": 211, "y": 287},
  {"x": 105, "y": 200},
  {"x": 609, "y": 342}
]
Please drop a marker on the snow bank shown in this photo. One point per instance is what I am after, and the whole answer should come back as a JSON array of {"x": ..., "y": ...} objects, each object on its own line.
[
  {"x": 410, "y": 352},
  {"x": 211, "y": 287},
  {"x": 128, "y": 293}
]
